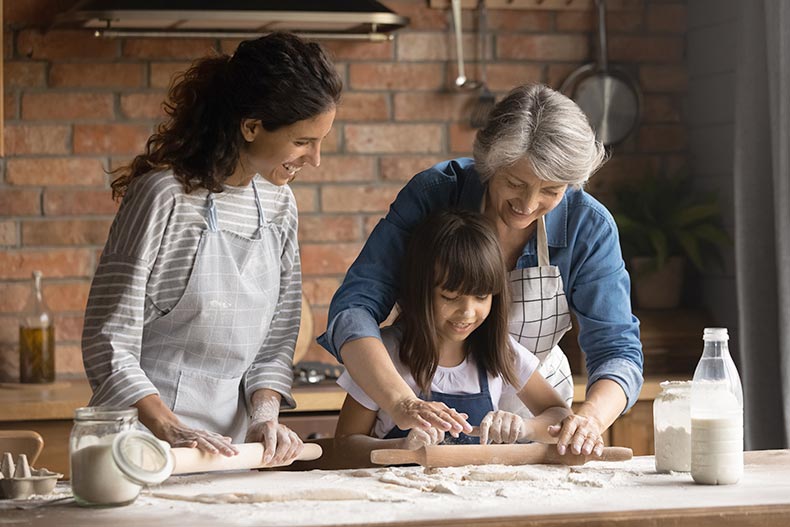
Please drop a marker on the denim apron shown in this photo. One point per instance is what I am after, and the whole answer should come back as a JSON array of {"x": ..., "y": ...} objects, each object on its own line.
[
  {"x": 539, "y": 317},
  {"x": 475, "y": 405},
  {"x": 197, "y": 354}
]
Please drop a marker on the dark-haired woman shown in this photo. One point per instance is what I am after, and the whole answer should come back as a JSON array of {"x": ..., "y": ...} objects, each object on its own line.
[{"x": 195, "y": 306}]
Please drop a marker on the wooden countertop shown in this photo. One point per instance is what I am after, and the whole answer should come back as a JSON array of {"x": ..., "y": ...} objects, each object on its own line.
[
  {"x": 630, "y": 494},
  {"x": 57, "y": 401}
]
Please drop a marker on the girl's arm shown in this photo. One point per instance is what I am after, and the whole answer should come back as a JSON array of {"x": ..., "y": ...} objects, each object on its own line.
[
  {"x": 353, "y": 441},
  {"x": 546, "y": 405}
]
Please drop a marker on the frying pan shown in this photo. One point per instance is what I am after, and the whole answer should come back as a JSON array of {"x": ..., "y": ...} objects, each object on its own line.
[{"x": 608, "y": 95}]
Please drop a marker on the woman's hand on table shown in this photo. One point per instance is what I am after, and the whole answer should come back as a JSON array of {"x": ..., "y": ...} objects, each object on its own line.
[
  {"x": 180, "y": 435},
  {"x": 420, "y": 437},
  {"x": 416, "y": 413},
  {"x": 580, "y": 433},
  {"x": 500, "y": 426},
  {"x": 281, "y": 445}
]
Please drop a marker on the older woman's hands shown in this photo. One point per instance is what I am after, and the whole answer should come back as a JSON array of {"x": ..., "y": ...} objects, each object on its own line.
[
  {"x": 416, "y": 413},
  {"x": 500, "y": 426},
  {"x": 579, "y": 432},
  {"x": 180, "y": 435},
  {"x": 281, "y": 445}
]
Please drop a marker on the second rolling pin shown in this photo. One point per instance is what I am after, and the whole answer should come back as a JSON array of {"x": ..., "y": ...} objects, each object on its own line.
[{"x": 188, "y": 460}]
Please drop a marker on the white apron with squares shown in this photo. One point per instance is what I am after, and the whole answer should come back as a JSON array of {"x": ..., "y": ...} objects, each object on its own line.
[
  {"x": 197, "y": 354},
  {"x": 539, "y": 317}
]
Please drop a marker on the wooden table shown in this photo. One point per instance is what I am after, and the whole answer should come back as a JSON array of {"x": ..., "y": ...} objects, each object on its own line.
[{"x": 633, "y": 495}]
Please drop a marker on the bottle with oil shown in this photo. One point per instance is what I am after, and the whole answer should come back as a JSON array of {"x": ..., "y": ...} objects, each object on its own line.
[{"x": 36, "y": 339}]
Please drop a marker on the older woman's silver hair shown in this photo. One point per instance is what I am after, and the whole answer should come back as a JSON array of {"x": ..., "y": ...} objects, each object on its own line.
[{"x": 549, "y": 129}]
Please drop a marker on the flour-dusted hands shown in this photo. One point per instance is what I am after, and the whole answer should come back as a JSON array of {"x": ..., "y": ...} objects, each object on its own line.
[
  {"x": 281, "y": 445},
  {"x": 420, "y": 437},
  {"x": 500, "y": 426},
  {"x": 180, "y": 435},
  {"x": 415, "y": 413},
  {"x": 579, "y": 432}
]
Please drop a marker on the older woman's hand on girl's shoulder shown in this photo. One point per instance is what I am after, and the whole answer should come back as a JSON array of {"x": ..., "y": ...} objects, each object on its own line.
[
  {"x": 500, "y": 426},
  {"x": 580, "y": 433},
  {"x": 420, "y": 437}
]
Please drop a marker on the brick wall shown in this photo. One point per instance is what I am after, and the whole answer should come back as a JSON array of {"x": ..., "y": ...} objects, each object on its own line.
[{"x": 76, "y": 106}]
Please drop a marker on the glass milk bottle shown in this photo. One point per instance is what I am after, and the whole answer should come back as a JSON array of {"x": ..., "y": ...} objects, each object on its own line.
[
  {"x": 36, "y": 338},
  {"x": 672, "y": 427},
  {"x": 716, "y": 414}
]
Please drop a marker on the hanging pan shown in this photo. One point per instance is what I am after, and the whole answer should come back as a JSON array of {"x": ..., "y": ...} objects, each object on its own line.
[{"x": 608, "y": 95}]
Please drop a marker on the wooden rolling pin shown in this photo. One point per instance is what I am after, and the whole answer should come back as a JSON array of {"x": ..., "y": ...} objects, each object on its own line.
[
  {"x": 459, "y": 455},
  {"x": 188, "y": 460}
]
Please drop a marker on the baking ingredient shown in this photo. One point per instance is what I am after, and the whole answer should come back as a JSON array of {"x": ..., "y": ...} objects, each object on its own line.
[
  {"x": 672, "y": 427},
  {"x": 673, "y": 449},
  {"x": 717, "y": 449},
  {"x": 96, "y": 479},
  {"x": 36, "y": 338},
  {"x": 323, "y": 494}
]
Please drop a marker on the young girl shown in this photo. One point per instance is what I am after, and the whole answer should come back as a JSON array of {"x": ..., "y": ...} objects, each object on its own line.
[{"x": 450, "y": 344}]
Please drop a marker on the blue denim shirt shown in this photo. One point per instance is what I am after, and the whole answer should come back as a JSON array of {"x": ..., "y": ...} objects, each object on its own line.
[{"x": 583, "y": 243}]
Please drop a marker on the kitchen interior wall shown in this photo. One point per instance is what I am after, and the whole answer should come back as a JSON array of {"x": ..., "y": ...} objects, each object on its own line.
[{"x": 77, "y": 106}]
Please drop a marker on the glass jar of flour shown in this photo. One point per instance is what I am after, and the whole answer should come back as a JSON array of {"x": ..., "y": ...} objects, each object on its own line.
[
  {"x": 672, "y": 427},
  {"x": 96, "y": 480}
]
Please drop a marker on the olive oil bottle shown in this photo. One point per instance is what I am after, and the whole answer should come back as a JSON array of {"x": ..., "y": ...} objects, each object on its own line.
[{"x": 36, "y": 339}]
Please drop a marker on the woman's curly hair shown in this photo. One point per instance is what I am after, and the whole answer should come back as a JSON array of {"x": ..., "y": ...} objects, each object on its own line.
[{"x": 279, "y": 79}]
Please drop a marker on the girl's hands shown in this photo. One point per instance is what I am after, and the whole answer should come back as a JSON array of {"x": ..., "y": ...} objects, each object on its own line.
[
  {"x": 579, "y": 432},
  {"x": 180, "y": 435},
  {"x": 281, "y": 445},
  {"x": 500, "y": 426},
  {"x": 420, "y": 437},
  {"x": 416, "y": 413}
]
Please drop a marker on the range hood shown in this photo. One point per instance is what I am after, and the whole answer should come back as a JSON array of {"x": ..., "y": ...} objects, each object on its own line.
[{"x": 357, "y": 19}]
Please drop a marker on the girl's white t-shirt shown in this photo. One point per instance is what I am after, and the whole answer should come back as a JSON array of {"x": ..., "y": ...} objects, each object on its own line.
[{"x": 456, "y": 380}]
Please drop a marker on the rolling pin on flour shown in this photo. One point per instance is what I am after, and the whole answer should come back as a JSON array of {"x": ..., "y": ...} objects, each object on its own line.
[{"x": 460, "y": 455}]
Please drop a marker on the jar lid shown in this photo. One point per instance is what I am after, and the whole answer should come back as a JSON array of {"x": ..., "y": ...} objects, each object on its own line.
[
  {"x": 105, "y": 413},
  {"x": 142, "y": 458}
]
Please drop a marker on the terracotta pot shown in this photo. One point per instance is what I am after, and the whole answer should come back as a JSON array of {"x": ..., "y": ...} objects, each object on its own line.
[{"x": 660, "y": 289}]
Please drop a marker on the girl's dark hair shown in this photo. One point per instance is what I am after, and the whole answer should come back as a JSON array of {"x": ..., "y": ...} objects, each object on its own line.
[
  {"x": 457, "y": 250},
  {"x": 279, "y": 79}
]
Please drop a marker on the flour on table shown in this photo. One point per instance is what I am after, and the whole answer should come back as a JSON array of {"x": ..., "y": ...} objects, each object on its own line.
[{"x": 321, "y": 494}]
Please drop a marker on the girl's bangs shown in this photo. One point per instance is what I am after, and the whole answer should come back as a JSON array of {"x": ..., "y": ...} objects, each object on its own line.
[{"x": 469, "y": 265}]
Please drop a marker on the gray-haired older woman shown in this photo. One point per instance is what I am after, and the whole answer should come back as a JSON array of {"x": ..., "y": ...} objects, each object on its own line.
[{"x": 560, "y": 245}]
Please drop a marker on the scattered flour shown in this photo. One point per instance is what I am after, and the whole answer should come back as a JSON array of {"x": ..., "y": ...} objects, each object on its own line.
[{"x": 321, "y": 494}]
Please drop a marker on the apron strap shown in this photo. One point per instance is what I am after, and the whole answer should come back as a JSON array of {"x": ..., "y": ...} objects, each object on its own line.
[
  {"x": 543, "y": 245},
  {"x": 261, "y": 220},
  {"x": 213, "y": 225}
]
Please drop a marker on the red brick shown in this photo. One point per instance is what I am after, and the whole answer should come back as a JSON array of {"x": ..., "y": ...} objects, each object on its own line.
[
  {"x": 331, "y": 143},
  {"x": 71, "y": 296},
  {"x": 434, "y": 46},
  {"x": 357, "y": 106},
  {"x": 620, "y": 169},
  {"x": 370, "y": 224},
  {"x": 96, "y": 75},
  {"x": 24, "y": 75},
  {"x": 65, "y": 232},
  {"x": 143, "y": 105},
  {"x": 662, "y": 138},
  {"x": 10, "y": 106},
  {"x": 433, "y": 106},
  {"x": 306, "y": 197},
  {"x": 67, "y": 106},
  {"x": 645, "y": 49},
  {"x": 557, "y": 73},
  {"x": 55, "y": 171},
  {"x": 391, "y": 138},
  {"x": 661, "y": 109},
  {"x": 587, "y": 21},
  {"x": 543, "y": 47},
  {"x": 421, "y": 16},
  {"x": 9, "y": 330},
  {"x": 60, "y": 44},
  {"x": 68, "y": 358},
  {"x": 512, "y": 20},
  {"x": 54, "y": 263},
  {"x": 319, "y": 291},
  {"x": 68, "y": 326},
  {"x": 39, "y": 13},
  {"x": 403, "y": 168},
  {"x": 462, "y": 137},
  {"x": 358, "y": 50},
  {"x": 20, "y": 202},
  {"x": 14, "y": 296},
  {"x": 328, "y": 258},
  {"x": 343, "y": 198},
  {"x": 396, "y": 76},
  {"x": 33, "y": 139},
  {"x": 663, "y": 79},
  {"x": 162, "y": 73},
  {"x": 78, "y": 202},
  {"x": 670, "y": 18},
  {"x": 340, "y": 168},
  {"x": 506, "y": 76},
  {"x": 8, "y": 233},
  {"x": 329, "y": 228},
  {"x": 171, "y": 48},
  {"x": 110, "y": 138},
  {"x": 9, "y": 361}
]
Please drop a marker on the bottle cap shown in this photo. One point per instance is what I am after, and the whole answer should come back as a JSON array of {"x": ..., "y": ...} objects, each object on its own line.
[
  {"x": 142, "y": 458},
  {"x": 715, "y": 334}
]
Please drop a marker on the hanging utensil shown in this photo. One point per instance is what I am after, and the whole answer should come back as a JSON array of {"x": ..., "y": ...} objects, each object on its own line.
[
  {"x": 485, "y": 100},
  {"x": 608, "y": 95},
  {"x": 461, "y": 81}
]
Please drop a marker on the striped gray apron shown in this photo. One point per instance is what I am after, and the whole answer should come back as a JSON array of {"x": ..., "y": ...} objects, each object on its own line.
[
  {"x": 539, "y": 317},
  {"x": 197, "y": 354}
]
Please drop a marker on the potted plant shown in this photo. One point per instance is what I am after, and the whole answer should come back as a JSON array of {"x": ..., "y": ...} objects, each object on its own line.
[{"x": 664, "y": 222}]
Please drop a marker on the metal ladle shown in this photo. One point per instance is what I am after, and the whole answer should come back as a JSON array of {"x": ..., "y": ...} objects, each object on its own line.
[{"x": 461, "y": 81}]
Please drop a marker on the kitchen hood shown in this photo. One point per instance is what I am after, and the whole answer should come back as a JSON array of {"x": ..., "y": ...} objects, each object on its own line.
[{"x": 338, "y": 19}]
